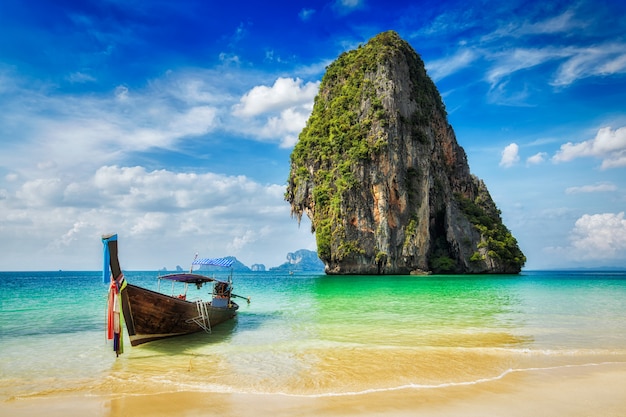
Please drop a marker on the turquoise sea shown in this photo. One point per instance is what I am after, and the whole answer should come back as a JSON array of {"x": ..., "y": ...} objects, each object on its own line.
[{"x": 315, "y": 335}]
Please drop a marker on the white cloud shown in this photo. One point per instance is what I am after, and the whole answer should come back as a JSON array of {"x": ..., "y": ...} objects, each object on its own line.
[
  {"x": 441, "y": 68},
  {"x": 596, "y": 188},
  {"x": 511, "y": 49},
  {"x": 289, "y": 123},
  {"x": 149, "y": 223},
  {"x": 161, "y": 215},
  {"x": 64, "y": 139},
  {"x": 600, "y": 236},
  {"x": 72, "y": 234},
  {"x": 134, "y": 188},
  {"x": 285, "y": 93},
  {"x": 248, "y": 238},
  {"x": 510, "y": 155},
  {"x": 40, "y": 192},
  {"x": 517, "y": 59},
  {"x": 563, "y": 23},
  {"x": 195, "y": 121},
  {"x": 537, "y": 158},
  {"x": 276, "y": 112},
  {"x": 600, "y": 60},
  {"x": 596, "y": 239},
  {"x": 577, "y": 63},
  {"x": 67, "y": 134},
  {"x": 608, "y": 145}
]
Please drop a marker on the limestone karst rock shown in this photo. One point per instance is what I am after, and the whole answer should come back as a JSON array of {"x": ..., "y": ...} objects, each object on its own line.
[{"x": 379, "y": 172}]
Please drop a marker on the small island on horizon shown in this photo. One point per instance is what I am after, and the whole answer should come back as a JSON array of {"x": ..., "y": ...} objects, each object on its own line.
[{"x": 302, "y": 260}]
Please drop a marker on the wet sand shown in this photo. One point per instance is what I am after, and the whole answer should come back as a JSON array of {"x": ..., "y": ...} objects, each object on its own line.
[{"x": 575, "y": 391}]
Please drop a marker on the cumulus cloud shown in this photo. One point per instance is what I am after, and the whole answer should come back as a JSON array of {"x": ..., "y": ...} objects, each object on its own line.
[
  {"x": 135, "y": 188},
  {"x": 288, "y": 124},
  {"x": 176, "y": 212},
  {"x": 510, "y": 155},
  {"x": 40, "y": 192},
  {"x": 285, "y": 93},
  {"x": 67, "y": 178},
  {"x": 277, "y": 112},
  {"x": 608, "y": 145},
  {"x": 65, "y": 133},
  {"x": 149, "y": 223},
  {"x": 596, "y": 239},
  {"x": 600, "y": 236},
  {"x": 537, "y": 158}
]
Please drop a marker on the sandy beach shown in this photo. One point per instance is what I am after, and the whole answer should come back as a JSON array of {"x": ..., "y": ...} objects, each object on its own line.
[{"x": 576, "y": 391}]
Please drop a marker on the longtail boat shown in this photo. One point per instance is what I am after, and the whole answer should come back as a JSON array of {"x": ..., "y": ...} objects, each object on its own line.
[{"x": 151, "y": 315}]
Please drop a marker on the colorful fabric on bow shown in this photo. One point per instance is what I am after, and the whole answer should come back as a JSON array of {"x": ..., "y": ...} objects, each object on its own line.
[{"x": 115, "y": 318}]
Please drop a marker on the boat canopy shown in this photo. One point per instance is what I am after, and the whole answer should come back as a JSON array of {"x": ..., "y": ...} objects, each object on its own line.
[
  {"x": 188, "y": 278},
  {"x": 225, "y": 262}
]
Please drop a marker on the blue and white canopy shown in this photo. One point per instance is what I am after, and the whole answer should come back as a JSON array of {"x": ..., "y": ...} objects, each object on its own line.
[{"x": 225, "y": 262}]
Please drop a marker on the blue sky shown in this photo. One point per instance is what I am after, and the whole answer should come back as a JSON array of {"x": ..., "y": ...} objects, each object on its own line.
[{"x": 171, "y": 123}]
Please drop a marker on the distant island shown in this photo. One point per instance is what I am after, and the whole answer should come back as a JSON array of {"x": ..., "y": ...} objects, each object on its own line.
[{"x": 302, "y": 260}]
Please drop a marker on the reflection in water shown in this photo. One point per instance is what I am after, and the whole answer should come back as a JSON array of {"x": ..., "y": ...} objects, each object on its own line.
[
  {"x": 389, "y": 331},
  {"x": 424, "y": 311}
]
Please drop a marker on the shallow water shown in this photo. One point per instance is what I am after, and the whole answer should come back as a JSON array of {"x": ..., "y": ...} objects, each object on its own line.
[{"x": 315, "y": 335}]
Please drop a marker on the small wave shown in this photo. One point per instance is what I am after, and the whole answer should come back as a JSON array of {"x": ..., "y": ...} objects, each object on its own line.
[
  {"x": 179, "y": 386},
  {"x": 445, "y": 384},
  {"x": 567, "y": 352}
]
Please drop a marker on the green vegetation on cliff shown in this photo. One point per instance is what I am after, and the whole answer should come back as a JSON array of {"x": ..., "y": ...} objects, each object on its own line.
[
  {"x": 498, "y": 240},
  {"x": 346, "y": 128}
]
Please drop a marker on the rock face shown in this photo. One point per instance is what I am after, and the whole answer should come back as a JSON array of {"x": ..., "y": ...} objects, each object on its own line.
[{"x": 380, "y": 174}]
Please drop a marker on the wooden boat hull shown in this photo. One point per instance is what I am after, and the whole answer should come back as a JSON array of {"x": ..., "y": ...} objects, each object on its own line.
[{"x": 150, "y": 315}]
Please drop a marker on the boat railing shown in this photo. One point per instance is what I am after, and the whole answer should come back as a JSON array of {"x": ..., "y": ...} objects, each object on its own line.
[{"x": 202, "y": 319}]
